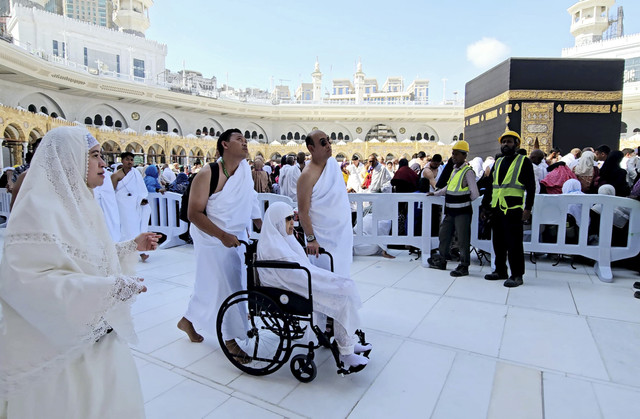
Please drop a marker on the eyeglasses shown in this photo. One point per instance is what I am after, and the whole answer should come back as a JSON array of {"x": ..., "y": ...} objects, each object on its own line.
[
  {"x": 289, "y": 218},
  {"x": 324, "y": 142}
]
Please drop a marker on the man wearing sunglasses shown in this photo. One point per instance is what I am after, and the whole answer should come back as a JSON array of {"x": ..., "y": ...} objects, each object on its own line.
[{"x": 323, "y": 206}]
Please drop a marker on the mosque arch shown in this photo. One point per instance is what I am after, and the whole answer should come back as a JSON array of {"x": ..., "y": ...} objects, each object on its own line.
[
  {"x": 389, "y": 157},
  {"x": 381, "y": 132},
  {"x": 158, "y": 117},
  {"x": 211, "y": 154},
  {"x": 135, "y": 148},
  {"x": 38, "y": 101},
  {"x": 426, "y": 132},
  {"x": 104, "y": 110},
  {"x": 155, "y": 154},
  {"x": 162, "y": 126},
  {"x": 340, "y": 157},
  {"x": 13, "y": 132},
  {"x": 35, "y": 134},
  {"x": 360, "y": 156},
  {"x": 196, "y": 153},
  {"x": 178, "y": 155},
  {"x": 275, "y": 156},
  {"x": 252, "y": 126},
  {"x": 110, "y": 151}
]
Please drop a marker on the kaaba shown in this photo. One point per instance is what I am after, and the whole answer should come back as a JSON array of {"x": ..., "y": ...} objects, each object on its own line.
[{"x": 562, "y": 103}]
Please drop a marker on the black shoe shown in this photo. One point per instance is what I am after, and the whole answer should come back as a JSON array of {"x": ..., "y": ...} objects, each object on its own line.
[
  {"x": 494, "y": 276},
  {"x": 460, "y": 271},
  {"x": 514, "y": 281},
  {"x": 636, "y": 285},
  {"x": 437, "y": 262},
  {"x": 636, "y": 294}
]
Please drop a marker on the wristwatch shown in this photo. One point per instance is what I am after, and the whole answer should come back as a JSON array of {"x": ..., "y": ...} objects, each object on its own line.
[{"x": 311, "y": 238}]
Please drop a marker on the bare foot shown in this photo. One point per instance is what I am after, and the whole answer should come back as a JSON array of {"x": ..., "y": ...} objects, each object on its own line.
[
  {"x": 387, "y": 255},
  {"x": 187, "y": 327},
  {"x": 237, "y": 352},
  {"x": 144, "y": 257}
]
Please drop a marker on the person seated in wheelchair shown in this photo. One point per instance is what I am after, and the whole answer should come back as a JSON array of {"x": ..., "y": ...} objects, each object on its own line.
[{"x": 333, "y": 295}]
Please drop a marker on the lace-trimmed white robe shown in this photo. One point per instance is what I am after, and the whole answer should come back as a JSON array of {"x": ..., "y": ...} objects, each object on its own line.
[{"x": 62, "y": 287}]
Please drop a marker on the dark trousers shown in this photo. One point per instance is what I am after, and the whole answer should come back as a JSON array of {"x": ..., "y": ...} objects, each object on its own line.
[
  {"x": 507, "y": 240},
  {"x": 461, "y": 224}
]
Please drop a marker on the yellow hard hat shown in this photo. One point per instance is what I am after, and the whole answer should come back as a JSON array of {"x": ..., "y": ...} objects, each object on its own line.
[
  {"x": 461, "y": 145},
  {"x": 510, "y": 134}
]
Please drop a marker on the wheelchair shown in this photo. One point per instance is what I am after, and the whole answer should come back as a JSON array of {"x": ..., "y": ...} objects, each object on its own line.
[{"x": 276, "y": 319}]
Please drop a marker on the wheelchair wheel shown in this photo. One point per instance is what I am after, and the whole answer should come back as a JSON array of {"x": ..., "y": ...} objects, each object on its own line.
[
  {"x": 267, "y": 344},
  {"x": 303, "y": 368}
]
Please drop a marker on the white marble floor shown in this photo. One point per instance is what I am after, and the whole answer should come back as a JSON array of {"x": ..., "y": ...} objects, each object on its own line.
[{"x": 564, "y": 345}]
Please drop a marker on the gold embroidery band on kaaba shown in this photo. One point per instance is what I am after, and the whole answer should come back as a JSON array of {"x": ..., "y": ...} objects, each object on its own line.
[{"x": 556, "y": 95}]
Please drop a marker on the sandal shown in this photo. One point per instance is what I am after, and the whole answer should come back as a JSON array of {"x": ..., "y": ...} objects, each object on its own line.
[{"x": 237, "y": 352}]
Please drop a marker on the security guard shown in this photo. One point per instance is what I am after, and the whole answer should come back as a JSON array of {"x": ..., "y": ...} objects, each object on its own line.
[
  {"x": 460, "y": 190},
  {"x": 504, "y": 202}
]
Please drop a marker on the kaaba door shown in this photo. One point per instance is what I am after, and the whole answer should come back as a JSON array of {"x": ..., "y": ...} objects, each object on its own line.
[{"x": 537, "y": 126}]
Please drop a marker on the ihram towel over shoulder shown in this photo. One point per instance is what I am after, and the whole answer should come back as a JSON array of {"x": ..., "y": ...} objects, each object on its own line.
[{"x": 330, "y": 214}]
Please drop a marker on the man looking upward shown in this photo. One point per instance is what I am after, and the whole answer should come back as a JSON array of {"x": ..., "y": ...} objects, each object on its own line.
[{"x": 323, "y": 206}]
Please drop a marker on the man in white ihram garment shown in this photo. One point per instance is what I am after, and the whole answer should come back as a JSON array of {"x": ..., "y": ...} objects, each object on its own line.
[
  {"x": 131, "y": 196},
  {"x": 289, "y": 175},
  {"x": 218, "y": 221},
  {"x": 65, "y": 291},
  {"x": 106, "y": 197},
  {"x": 323, "y": 207},
  {"x": 333, "y": 295}
]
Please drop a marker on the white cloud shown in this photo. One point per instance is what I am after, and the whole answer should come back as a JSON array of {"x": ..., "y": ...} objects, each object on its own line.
[{"x": 487, "y": 52}]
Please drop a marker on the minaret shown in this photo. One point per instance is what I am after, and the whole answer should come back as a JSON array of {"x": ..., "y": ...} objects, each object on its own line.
[
  {"x": 359, "y": 83},
  {"x": 589, "y": 20},
  {"x": 132, "y": 17},
  {"x": 317, "y": 83}
]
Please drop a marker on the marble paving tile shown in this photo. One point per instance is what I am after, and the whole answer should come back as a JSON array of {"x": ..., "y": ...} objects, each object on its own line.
[
  {"x": 618, "y": 343},
  {"x": 473, "y": 326},
  {"x": 159, "y": 299},
  {"x": 467, "y": 391},
  {"x": 164, "y": 313},
  {"x": 618, "y": 403},
  {"x": 183, "y": 352},
  {"x": 158, "y": 336},
  {"x": 409, "y": 385},
  {"x": 235, "y": 408},
  {"x": 215, "y": 367},
  {"x": 426, "y": 280},
  {"x": 155, "y": 380},
  {"x": 544, "y": 295},
  {"x": 340, "y": 394},
  {"x": 479, "y": 289},
  {"x": 186, "y": 400},
  {"x": 569, "y": 398},
  {"x": 517, "y": 393},
  {"x": 607, "y": 302},
  {"x": 396, "y": 311},
  {"x": 385, "y": 273},
  {"x": 367, "y": 290},
  {"x": 553, "y": 341}
]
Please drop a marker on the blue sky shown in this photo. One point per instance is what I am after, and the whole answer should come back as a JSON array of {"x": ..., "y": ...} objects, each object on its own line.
[{"x": 247, "y": 42}]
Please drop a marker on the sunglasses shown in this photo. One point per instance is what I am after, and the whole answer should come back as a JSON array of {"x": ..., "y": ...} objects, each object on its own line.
[
  {"x": 289, "y": 218},
  {"x": 324, "y": 142}
]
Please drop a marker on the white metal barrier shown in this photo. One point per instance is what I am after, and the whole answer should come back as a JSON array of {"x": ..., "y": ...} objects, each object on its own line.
[
  {"x": 389, "y": 206},
  {"x": 553, "y": 209},
  {"x": 265, "y": 199},
  {"x": 5, "y": 201},
  {"x": 165, "y": 218}
]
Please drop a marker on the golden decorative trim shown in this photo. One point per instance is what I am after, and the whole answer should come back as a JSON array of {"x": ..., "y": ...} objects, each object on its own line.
[
  {"x": 516, "y": 107},
  {"x": 491, "y": 115},
  {"x": 587, "y": 108},
  {"x": 557, "y": 95},
  {"x": 121, "y": 90},
  {"x": 559, "y": 108},
  {"x": 508, "y": 108},
  {"x": 474, "y": 120}
]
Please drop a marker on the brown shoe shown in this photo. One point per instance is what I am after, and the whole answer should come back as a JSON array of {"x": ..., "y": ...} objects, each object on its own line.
[{"x": 187, "y": 327}]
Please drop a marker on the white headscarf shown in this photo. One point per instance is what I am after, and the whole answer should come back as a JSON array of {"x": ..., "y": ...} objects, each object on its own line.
[
  {"x": 573, "y": 187},
  {"x": 275, "y": 243},
  {"x": 585, "y": 164},
  {"x": 476, "y": 164},
  {"x": 620, "y": 215},
  {"x": 61, "y": 285}
]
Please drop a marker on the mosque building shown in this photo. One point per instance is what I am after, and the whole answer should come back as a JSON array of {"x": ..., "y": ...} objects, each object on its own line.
[{"x": 89, "y": 63}]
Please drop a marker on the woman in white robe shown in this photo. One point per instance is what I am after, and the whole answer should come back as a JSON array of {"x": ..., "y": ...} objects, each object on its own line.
[
  {"x": 64, "y": 296},
  {"x": 333, "y": 295}
]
